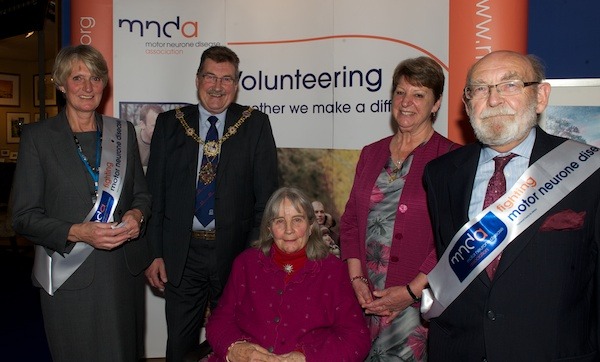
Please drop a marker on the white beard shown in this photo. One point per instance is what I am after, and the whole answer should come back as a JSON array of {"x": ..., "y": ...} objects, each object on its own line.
[{"x": 501, "y": 132}]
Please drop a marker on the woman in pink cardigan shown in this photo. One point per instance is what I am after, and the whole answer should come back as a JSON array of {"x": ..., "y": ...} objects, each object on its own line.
[
  {"x": 288, "y": 298},
  {"x": 385, "y": 231}
]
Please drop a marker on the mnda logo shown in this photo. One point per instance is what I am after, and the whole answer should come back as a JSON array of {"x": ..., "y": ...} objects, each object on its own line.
[
  {"x": 475, "y": 244},
  {"x": 188, "y": 29}
]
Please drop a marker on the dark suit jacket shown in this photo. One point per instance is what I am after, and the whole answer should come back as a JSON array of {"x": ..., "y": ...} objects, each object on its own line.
[
  {"x": 543, "y": 302},
  {"x": 246, "y": 178},
  {"x": 51, "y": 192}
]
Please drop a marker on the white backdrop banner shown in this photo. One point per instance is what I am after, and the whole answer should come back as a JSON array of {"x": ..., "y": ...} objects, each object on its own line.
[{"x": 321, "y": 69}]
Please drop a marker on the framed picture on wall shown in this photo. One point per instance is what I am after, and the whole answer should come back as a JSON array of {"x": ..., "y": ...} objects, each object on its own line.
[
  {"x": 14, "y": 124},
  {"x": 574, "y": 110},
  {"x": 9, "y": 90},
  {"x": 36, "y": 117},
  {"x": 49, "y": 91}
]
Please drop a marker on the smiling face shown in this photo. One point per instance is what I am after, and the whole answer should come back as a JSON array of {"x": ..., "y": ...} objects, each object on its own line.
[
  {"x": 502, "y": 122},
  {"x": 215, "y": 97},
  {"x": 290, "y": 228},
  {"x": 412, "y": 106},
  {"x": 83, "y": 90}
]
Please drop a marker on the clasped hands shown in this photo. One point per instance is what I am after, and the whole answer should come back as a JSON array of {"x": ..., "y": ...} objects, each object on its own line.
[
  {"x": 108, "y": 236},
  {"x": 250, "y": 352},
  {"x": 387, "y": 303}
]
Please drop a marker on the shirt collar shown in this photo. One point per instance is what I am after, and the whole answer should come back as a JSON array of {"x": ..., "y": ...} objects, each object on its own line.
[
  {"x": 523, "y": 149},
  {"x": 204, "y": 114}
]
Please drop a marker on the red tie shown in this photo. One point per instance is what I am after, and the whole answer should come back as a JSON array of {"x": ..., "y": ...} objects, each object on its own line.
[{"x": 496, "y": 188}]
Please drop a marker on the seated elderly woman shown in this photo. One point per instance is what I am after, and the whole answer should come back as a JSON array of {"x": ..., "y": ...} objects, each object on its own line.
[{"x": 288, "y": 298}]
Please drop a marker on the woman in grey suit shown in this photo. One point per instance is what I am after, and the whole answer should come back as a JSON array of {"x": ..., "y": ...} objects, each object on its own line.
[{"x": 80, "y": 195}]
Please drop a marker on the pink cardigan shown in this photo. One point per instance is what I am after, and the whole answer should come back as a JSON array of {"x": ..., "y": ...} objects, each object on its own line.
[
  {"x": 316, "y": 312},
  {"x": 412, "y": 249}
]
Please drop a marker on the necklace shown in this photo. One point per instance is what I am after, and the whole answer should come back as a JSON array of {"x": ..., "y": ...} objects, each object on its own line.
[
  {"x": 395, "y": 172},
  {"x": 211, "y": 148}
]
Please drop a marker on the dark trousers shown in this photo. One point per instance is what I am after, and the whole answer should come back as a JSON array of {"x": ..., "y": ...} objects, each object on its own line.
[{"x": 186, "y": 304}]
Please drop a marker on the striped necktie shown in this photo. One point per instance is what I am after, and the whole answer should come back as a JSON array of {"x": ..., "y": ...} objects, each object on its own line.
[{"x": 205, "y": 193}]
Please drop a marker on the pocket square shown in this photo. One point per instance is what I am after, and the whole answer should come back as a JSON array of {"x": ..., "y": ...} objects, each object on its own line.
[{"x": 564, "y": 220}]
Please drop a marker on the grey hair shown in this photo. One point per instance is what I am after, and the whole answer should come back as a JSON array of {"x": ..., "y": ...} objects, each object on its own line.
[{"x": 315, "y": 246}]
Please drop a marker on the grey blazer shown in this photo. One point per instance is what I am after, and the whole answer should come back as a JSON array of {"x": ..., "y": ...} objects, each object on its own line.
[{"x": 51, "y": 192}]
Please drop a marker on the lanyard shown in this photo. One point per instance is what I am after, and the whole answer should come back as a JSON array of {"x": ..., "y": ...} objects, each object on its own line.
[{"x": 93, "y": 171}]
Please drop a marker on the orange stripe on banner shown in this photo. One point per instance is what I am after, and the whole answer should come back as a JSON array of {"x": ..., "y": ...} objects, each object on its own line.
[
  {"x": 478, "y": 27},
  {"x": 346, "y": 36},
  {"x": 91, "y": 24}
]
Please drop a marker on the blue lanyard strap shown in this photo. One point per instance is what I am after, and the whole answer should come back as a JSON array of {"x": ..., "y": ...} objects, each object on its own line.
[{"x": 92, "y": 170}]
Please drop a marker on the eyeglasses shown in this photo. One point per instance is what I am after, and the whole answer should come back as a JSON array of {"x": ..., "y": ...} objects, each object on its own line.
[
  {"x": 508, "y": 88},
  {"x": 211, "y": 78}
]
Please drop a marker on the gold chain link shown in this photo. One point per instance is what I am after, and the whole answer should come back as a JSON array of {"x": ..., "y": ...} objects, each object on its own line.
[{"x": 212, "y": 148}]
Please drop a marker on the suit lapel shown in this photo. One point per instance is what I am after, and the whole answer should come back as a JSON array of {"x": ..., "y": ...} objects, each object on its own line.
[
  {"x": 192, "y": 117},
  {"x": 461, "y": 186},
  {"x": 228, "y": 147},
  {"x": 65, "y": 153}
]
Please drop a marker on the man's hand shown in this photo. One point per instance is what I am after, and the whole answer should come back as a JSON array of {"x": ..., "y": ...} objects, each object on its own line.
[{"x": 157, "y": 274}]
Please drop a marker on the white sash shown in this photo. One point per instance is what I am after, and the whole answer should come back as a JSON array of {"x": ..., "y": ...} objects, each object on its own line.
[
  {"x": 483, "y": 238},
  {"x": 51, "y": 271}
]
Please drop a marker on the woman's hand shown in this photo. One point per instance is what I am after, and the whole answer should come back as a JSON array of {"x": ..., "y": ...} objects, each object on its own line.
[
  {"x": 133, "y": 222},
  {"x": 392, "y": 301},
  {"x": 389, "y": 303},
  {"x": 249, "y": 352},
  {"x": 107, "y": 236},
  {"x": 99, "y": 235},
  {"x": 292, "y": 357},
  {"x": 362, "y": 292},
  {"x": 359, "y": 282}
]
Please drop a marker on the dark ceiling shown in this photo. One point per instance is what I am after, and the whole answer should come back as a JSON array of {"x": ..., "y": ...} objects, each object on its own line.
[
  {"x": 17, "y": 18},
  {"x": 19, "y": 48}
]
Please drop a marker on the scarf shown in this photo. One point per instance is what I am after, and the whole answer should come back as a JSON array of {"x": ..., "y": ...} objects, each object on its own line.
[{"x": 289, "y": 263}]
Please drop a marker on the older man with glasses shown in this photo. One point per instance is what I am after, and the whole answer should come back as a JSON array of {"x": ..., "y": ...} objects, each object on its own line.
[{"x": 516, "y": 219}]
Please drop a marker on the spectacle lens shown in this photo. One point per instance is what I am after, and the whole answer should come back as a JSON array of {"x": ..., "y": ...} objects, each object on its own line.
[{"x": 508, "y": 88}]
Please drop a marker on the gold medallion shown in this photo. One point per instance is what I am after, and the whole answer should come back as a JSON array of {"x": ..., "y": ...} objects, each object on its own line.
[{"x": 212, "y": 149}]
